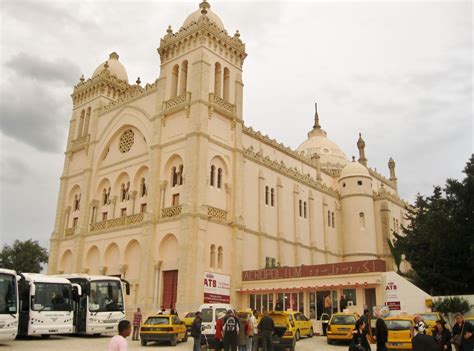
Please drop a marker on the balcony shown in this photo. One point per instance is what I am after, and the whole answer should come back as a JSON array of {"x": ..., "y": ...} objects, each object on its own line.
[
  {"x": 213, "y": 212},
  {"x": 177, "y": 103},
  {"x": 80, "y": 142},
  {"x": 70, "y": 231},
  {"x": 221, "y": 104},
  {"x": 117, "y": 222},
  {"x": 173, "y": 211}
]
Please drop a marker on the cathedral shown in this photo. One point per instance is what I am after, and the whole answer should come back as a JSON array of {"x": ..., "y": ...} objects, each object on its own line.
[{"x": 164, "y": 185}]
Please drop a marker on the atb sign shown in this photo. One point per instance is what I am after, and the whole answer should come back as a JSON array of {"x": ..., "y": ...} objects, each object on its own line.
[
  {"x": 391, "y": 296},
  {"x": 216, "y": 288}
]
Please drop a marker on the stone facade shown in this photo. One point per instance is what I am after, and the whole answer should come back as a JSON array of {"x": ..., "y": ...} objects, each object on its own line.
[{"x": 167, "y": 177}]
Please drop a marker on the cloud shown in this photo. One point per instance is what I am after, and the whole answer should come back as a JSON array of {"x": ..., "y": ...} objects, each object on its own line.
[
  {"x": 13, "y": 171},
  {"x": 30, "y": 66}
]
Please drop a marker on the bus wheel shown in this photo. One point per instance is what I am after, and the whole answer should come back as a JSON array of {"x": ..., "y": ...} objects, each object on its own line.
[
  {"x": 45, "y": 336},
  {"x": 143, "y": 342}
]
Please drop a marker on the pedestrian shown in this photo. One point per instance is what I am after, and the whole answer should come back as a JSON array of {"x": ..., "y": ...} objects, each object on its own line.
[
  {"x": 253, "y": 345},
  {"x": 421, "y": 341},
  {"x": 381, "y": 334},
  {"x": 343, "y": 303},
  {"x": 219, "y": 326},
  {"x": 162, "y": 310},
  {"x": 359, "y": 340},
  {"x": 366, "y": 318},
  {"x": 328, "y": 305},
  {"x": 463, "y": 338},
  {"x": 442, "y": 336},
  {"x": 137, "y": 321},
  {"x": 266, "y": 328},
  {"x": 420, "y": 324},
  {"x": 174, "y": 312},
  {"x": 231, "y": 331},
  {"x": 196, "y": 331},
  {"x": 119, "y": 342},
  {"x": 244, "y": 329}
]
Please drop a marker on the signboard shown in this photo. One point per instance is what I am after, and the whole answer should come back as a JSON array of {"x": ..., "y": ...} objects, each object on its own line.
[
  {"x": 319, "y": 270},
  {"x": 391, "y": 291},
  {"x": 381, "y": 311},
  {"x": 394, "y": 305},
  {"x": 216, "y": 288}
]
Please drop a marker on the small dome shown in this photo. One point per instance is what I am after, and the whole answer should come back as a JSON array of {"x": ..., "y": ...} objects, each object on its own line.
[
  {"x": 354, "y": 169},
  {"x": 114, "y": 66},
  {"x": 204, "y": 9},
  {"x": 328, "y": 150}
]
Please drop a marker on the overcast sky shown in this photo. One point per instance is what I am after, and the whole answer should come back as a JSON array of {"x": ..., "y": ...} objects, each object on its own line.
[{"x": 399, "y": 72}]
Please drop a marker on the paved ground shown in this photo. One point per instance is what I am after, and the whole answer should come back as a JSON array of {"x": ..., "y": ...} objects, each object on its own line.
[{"x": 72, "y": 343}]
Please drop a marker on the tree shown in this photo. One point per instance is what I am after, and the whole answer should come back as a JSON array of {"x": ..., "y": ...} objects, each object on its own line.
[
  {"x": 439, "y": 239},
  {"x": 451, "y": 305},
  {"x": 24, "y": 256},
  {"x": 396, "y": 255}
]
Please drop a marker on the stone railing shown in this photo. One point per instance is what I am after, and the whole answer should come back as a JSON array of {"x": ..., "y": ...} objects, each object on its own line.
[
  {"x": 214, "y": 212},
  {"x": 117, "y": 222},
  {"x": 69, "y": 231},
  {"x": 220, "y": 103},
  {"x": 178, "y": 101},
  {"x": 78, "y": 142},
  {"x": 173, "y": 211}
]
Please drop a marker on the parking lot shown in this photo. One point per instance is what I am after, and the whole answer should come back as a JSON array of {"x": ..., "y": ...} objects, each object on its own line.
[{"x": 76, "y": 343}]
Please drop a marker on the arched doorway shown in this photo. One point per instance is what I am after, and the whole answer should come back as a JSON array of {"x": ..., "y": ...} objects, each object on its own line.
[{"x": 169, "y": 255}]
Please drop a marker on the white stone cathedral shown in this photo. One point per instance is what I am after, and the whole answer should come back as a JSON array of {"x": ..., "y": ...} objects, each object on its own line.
[{"x": 164, "y": 182}]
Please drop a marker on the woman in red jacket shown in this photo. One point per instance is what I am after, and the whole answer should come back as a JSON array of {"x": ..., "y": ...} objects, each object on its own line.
[{"x": 219, "y": 325}]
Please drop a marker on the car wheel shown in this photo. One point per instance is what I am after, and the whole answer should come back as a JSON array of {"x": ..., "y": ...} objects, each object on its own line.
[
  {"x": 311, "y": 333},
  {"x": 185, "y": 339},
  {"x": 174, "y": 341},
  {"x": 297, "y": 335},
  {"x": 143, "y": 342},
  {"x": 329, "y": 341}
]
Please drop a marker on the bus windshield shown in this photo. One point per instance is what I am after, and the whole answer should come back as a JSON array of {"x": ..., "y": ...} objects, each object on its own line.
[
  {"x": 8, "y": 293},
  {"x": 52, "y": 297},
  {"x": 106, "y": 295}
]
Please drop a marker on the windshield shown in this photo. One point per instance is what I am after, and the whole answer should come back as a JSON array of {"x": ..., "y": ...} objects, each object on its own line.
[
  {"x": 158, "y": 320},
  {"x": 52, "y": 297},
  {"x": 8, "y": 293},
  {"x": 429, "y": 317},
  {"x": 398, "y": 325},
  {"x": 105, "y": 295},
  {"x": 343, "y": 320},
  {"x": 206, "y": 315}
]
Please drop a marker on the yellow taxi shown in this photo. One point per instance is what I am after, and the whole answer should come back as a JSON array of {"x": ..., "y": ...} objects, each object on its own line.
[
  {"x": 163, "y": 327},
  {"x": 284, "y": 333},
  {"x": 300, "y": 325},
  {"x": 400, "y": 332},
  {"x": 188, "y": 319},
  {"x": 470, "y": 319},
  {"x": 430, "y": 319},
  {"x": 340, "y": 326}
]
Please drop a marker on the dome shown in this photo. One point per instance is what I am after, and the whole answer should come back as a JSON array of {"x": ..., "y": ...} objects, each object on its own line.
[
  {"x": 204, "y": 9},
  {"x": 354, "y": 169},
  {"x": 328, "y": 150},
  {"x": 114, "y": 66}
]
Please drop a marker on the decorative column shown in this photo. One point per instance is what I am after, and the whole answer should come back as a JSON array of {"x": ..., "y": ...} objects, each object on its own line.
[
  {"x": 296, "y": 234},
  {"x": 261, "y": 218},
  {"x": 280, "y": 215},
  {"x": 312, "y": 240}
]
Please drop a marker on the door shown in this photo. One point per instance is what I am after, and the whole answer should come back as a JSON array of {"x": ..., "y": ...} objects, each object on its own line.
[
  {"x": 370, "y": 299},
  {"x": 170, "y": 288}
]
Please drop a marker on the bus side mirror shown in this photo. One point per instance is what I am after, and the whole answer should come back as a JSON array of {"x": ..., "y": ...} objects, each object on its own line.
[
  {"x": 127, "y": 286},
  {"x": 76, "y": 291},
  {"x": 32, "y": 289}
]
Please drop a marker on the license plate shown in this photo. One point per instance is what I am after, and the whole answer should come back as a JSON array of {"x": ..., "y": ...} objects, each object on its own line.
[
  {"x": 109, "y": 328},
  {"x": 395, "y": 344},
  {"x": 344, "y": 329},
  {"x": 53, "y": 330}
]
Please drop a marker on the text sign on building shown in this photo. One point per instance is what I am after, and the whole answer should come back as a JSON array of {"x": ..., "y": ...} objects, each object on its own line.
[
  {"x": 216, "y": 288},
  {"x": 394, "y": 305},
  {"x": 318, "y": 270},
  {"x": 391, "y": 291}
]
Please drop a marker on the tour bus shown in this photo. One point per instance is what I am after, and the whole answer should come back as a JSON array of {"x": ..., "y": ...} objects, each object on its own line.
[
  {"x": 101, "y": 306},
  {"x": 8, "y": 304},
  {"x": 45, "y": 305}
]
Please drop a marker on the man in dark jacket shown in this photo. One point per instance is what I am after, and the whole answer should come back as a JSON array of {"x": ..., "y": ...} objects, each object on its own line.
[
  {"x": 423, "y": 342},
  {"x": 230, "y": 331},
  {"x": 464, "y": 329},
  {"x": 196, "y": 331},
  {"x": 266, "y": 328},
  {"x": 381, "y": 334}
]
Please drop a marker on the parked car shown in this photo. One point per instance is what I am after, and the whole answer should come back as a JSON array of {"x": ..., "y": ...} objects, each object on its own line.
[
  {"x": 163, "y": 327},
  {"x": 430, "y": 319},
  {"x": 400, "y": 332},
  {"x": 300, "y": 324},
  {"x": 340, "y": 326},
  {"x": 209, "y": 314},
  {"x": 188, "y": 320},
  {"x": 284, "y": 334}
]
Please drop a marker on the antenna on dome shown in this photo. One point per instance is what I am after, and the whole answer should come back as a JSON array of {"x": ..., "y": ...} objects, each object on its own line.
[
  {"x": 316, "y": 117},
  {"x": 204, "y": 6}
]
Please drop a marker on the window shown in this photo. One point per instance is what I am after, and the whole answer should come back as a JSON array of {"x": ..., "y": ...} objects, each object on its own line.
[
  {"x": 343, "y": 185},
  {"x": 124, "y": 196},
  {"x": 261, "y": 302},
  {"x": 270, "y": 262},
  {"x": 74, "y": 222},
  {"x": 301, "y": 208},
  {"x": 212, "y": 256},
  {"x": 104, "y": 216},
  {"x": 397, "y": 226},
  {"x": 329, "y": 218},
  {"x": 359, "y": 182},
  {"x": 106, "y": 196},
  {"x": 179, "y": 177},
  {"x": 266, "y": 195},
  {"x": 77, "y": 201},
  {"x": 123, "y": 212},
  {"x": 226, "y": 84},
  {"x": 272, "y": 197},
  {"x": 305, "y": 209},
  {"x": 333, "y": 221},
  {"x": 175, "y": 200},
  {"x": 219, "y": 178},
  {"x": 94, "y": 214},
  {"x": 362, "y": 220},
  {"x": 174, "y": 81},
  {"x": 143, "y": 208},
  {"x": 212, "y": 176},
  {"x": 350, "y": 295},
  {"x": 143, "y": 189},
  {"x": 218, "y": 80},
  {"x": 220, "y": 257}
]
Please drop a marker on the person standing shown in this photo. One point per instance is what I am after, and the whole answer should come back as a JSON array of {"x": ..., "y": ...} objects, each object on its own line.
[
  {"x": 244, "y": 329},
  {"x": 231, "y": 331},
  {"x": 381, "y": 334},
  {"x": 465, "y": 331},
  {"x": 196, "y": 331},
  {"x": 119, "y": 342},
  {"x": 343, "y": 303},
  {"x": 254, "y": 327},
  {"x": 137, "y": 321},
  {"x": 421, "y": 341},
  {"x": 442, "y": 336},
  {"x": 359, "y": 340},
  {"x": 328, "y": 304},
  {"x": 265, "y": 329},
  {"x": 219, "y": 326}
]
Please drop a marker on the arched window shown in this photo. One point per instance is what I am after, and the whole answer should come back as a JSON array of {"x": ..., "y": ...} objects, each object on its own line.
[
  {"x": 329, "y": 218},
  {"x": 94, "y": 215},
  {"x": 301, "y": 208},
  {"x": 213, "y": 174},
  {"x": 218, "y": 80},
  {"x": 174, "y": 177},
  {"x": 362, "y": 220},
  {"x": 219, "y": 178},
  {"x": 305, "y": 209},
  {"x": 174, "y": 81},
  {"x": 333, "y": 221},
  {"x": 77, "y": 201},
  {"x": 266, "y": 195},
  {"x": 179, "y": 179},
  {"x": 81, "y": 124},
  {"x": 143, "y": 189},
  {"x": 226, "y": 84},
  {"x": 220, "y": 257},
  {"x": 104, "y": 197},
  {"x": 87, "y": 121},
  {"x": 272, "y": 197},
  {"x": 212, "y": 257},
  {"x": 183, "y": 77}
]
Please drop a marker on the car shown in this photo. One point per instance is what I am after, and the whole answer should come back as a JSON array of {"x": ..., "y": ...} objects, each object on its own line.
[
  {"x": 470, "y": 319},
  {"x": 209, "y": 312},
  {"x": 400, "y": 332},
  {"x": 340, "y": 326},
  {"x": 300, "y": 324},
  {"x": 283, "y": 335},
  {"x": 188, "y": 319},
  {"x": 430, "y": 319},
  {"x": 163, "y": 327}
]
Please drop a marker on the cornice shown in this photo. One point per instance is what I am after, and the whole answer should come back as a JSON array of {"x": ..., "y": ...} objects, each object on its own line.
[
  {"x": 382, "y": 194},
  {"x": 381, "y": 178},
  {"x": 133, "y": 94}
]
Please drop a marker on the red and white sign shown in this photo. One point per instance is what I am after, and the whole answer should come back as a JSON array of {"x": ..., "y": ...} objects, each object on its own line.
[
  {"x": 391, "y": 291},
  {"x": 216, "y": 288},
  {"x": 394, "y": 305}
]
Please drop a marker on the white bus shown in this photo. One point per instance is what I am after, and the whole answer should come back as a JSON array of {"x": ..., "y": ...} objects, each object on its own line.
[
  {"x": 101, "y": 306},
  {"x": 45, "y": 305},
  {"x": 8, "y": 304}
]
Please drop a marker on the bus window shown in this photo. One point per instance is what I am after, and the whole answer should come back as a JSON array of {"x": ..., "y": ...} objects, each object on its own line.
[
  {"x": 52, "y": 297},
  {"x": 8, "y": 294},
  {"x": 106, "y": 296}
]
